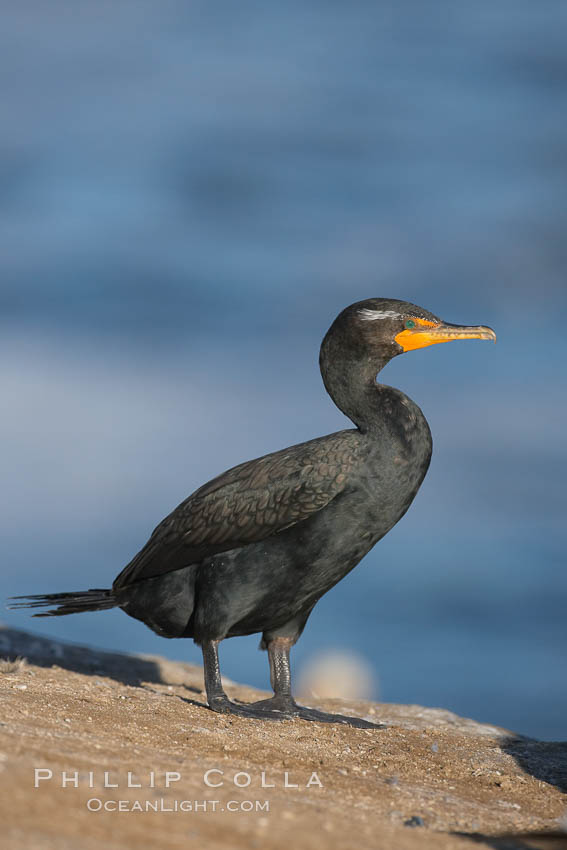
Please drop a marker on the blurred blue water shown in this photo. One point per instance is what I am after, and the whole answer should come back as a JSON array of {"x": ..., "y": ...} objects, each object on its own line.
[{"x": 189, "y": 193}]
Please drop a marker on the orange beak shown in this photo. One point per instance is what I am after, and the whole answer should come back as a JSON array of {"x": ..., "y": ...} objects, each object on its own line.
[{"x": 428, "y": 333}]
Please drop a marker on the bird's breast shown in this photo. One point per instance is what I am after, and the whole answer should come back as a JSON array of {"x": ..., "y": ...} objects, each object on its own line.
[{"x": 397, "y": 456}]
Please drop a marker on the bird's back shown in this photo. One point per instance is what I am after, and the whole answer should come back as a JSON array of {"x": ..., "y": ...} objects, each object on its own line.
[{"x": 249, "y": 503}]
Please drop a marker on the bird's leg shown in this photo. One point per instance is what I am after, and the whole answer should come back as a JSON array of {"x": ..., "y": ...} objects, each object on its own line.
[
  {"x": 281, "y": 705},
  {"x": 216, "y": 697},
  {"x": 282, "y": 701},
  {"x": 280, "y": 672}
]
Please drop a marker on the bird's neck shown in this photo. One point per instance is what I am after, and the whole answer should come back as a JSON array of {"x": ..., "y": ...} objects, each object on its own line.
[{"x": 351, "y": 382}]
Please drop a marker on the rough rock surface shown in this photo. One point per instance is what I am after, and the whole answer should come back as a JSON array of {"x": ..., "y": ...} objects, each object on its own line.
[{"x": 423, "y": 778}]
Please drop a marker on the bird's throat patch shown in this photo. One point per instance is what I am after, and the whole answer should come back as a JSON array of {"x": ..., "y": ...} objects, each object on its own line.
[{"x": 417, "y": 337}]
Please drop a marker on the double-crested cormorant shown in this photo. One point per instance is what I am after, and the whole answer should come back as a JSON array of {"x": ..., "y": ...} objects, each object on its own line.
[{"x": 256, "y": 548}]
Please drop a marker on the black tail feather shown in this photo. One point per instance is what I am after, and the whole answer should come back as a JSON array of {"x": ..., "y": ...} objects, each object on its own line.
[{"x": 68, "y": 603}]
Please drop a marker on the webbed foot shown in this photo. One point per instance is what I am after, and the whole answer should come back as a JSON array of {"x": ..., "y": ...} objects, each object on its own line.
[{"x": 284, "y": 708}]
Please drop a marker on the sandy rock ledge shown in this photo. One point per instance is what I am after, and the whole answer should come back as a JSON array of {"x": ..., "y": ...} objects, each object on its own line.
[{"x": 425, "y": 778}]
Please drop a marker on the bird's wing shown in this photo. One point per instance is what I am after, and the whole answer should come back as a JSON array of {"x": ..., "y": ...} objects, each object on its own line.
[{"x": 247, "y": 504}]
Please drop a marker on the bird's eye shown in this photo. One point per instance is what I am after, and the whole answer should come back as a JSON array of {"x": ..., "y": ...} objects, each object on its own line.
[{"x": 410, "y": 323}]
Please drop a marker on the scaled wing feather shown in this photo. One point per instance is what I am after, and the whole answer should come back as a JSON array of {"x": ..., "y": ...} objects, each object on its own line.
[{"x": 247, "y": 504}]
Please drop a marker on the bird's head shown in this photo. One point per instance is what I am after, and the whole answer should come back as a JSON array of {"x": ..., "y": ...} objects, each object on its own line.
[
  {"x": 390, "y": 327},
  {"x": 366, "y": 335}
]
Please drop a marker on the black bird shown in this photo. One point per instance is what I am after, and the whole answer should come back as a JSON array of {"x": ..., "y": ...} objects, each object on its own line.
[{"x": 256, "y": 548}]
